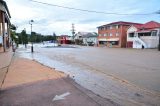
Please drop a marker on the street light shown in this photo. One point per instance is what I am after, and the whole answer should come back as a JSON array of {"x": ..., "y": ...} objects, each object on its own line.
[{"x": 30, "y": 22}]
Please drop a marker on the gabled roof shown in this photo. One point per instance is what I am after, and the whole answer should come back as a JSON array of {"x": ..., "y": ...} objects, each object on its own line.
[
  {"x": 87, "y": 34},
  {"x": 138, "y": 25},
  {"x": 121, "y": 23},
  {"x": 151, "y": 25}
]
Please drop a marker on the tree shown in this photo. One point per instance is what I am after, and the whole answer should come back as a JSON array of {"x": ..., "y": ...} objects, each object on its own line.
[
  {"x": 24, "y": 37},
  {"x": 13, "y": 27},
  {"x": 14, "y": 37},
  {"x": 54, "y": 37},
  {"x": 37, "y": 38}
]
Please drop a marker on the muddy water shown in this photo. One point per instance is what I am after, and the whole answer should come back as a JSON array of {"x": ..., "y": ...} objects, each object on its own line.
[{"x": 96, "y": 68}]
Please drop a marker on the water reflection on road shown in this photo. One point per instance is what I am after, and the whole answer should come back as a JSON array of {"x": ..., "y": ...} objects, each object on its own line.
[{"x": 92, "y": 68}]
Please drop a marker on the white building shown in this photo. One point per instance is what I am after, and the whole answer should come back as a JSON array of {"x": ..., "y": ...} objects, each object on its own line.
[
  {"x": 143, "y": 36},
  {"x": 87, "y": 38}
]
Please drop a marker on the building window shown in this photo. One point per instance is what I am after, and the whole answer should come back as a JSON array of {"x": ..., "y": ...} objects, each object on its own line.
[
  {"x": 117, "y": 26},
  {"x": 154, "y": 33},
  {"x": 117, "y": 33},
  {"x": 110, "y": 27},
  {"x": 101, "y": 34},
  {"x": 131, "y": 35},
  {"x": 114, "y": 42},
  {"x": 101, "y": 28},
  {"x": 110, "y": 34},
  {"x": 105, "y": 34}
]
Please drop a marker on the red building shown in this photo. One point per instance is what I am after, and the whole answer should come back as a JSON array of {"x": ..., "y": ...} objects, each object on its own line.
[
  {"x": 64, "y": 39},
  {"x": 114, "y": 34}
]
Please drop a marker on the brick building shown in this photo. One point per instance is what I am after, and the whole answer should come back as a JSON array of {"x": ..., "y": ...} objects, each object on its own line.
[{"x": 114, "y": 34}]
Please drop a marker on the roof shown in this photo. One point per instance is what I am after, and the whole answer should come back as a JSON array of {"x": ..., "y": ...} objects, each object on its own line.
[
  {"x": 87, "y": 34},
  {"x": 121, "y": 23},
  {"x": 6, "y": 7},
  {"x": 151, "y": 25},
  {"x": 147, "y": 27},
  {"x": 144, "y": 31},
  {"x": 138, "y": 26}
]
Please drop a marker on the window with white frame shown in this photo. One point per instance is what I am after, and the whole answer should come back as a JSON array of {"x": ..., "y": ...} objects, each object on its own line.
[
  {"x": 110, "y": 34},
  {"x": 110, "y": 27},
  {"x": 154, "y": 33},
  {"x": 106, "y": 34},
  {"x": 117, "y": 26},
  {"x": 117, "y": 33}
]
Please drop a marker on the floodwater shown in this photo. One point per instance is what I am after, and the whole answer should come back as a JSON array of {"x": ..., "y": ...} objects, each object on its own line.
[{"x": 125, "y": 76}]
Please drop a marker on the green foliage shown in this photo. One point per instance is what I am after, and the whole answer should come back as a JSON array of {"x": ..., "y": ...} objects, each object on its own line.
[
  {"x": 24, "y": 37},
  {"x": 19, "y": 38},
  {"x": 37, "y": 38},
  {"x": 14, "y": 37},
  {"x": 13, "y": 27}
]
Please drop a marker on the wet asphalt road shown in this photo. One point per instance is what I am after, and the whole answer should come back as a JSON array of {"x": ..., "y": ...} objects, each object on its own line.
[
  {"x": 125, "y": 76},
  {"x": 140, "y": 67}
]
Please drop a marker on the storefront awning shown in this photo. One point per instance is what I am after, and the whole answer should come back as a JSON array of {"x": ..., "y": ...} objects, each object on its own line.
[
  {"x": 113, "y": 39},
  {"x": 104, "y": 39}
]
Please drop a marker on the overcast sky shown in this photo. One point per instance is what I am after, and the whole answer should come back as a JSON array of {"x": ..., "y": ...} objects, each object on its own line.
[{"x": 49, "y": 19}]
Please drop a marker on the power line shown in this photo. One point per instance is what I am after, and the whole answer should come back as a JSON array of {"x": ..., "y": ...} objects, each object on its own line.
[{"x": 84, "y": 10}]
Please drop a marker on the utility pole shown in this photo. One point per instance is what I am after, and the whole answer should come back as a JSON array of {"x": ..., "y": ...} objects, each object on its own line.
[{"x": 73, "y": 31}]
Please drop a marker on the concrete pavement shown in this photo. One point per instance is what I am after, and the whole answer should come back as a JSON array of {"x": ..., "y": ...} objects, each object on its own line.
[
  {"x": 29, "y": 83},
  {"x": 5, "y": 59}
]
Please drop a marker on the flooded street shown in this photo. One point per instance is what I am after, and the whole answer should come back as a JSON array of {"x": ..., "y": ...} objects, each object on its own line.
[{"x": 127, "y": 76}]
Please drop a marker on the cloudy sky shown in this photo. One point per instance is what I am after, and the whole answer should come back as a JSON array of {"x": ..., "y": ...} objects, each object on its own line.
[{"x": 49, "y": 19}]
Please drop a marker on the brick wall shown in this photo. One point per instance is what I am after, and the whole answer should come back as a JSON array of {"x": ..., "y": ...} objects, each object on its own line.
[{"x": 122, "y": 34}]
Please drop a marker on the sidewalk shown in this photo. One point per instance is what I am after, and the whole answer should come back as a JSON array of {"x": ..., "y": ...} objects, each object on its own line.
[
  {"x": 29, "y": 83},
  {"x": 5, "y": 59}
]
